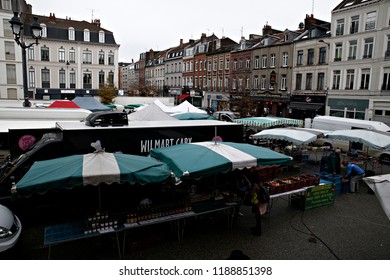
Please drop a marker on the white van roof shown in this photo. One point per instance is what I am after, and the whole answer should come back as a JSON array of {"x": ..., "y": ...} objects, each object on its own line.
[{"x": 353, "y": 123}]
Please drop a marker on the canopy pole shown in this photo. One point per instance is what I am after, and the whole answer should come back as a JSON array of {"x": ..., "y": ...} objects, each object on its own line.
[{"x": 100, "y": 199}]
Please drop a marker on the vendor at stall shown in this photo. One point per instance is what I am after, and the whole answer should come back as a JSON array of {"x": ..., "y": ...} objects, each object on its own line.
[{"x": 354, "y": 174}]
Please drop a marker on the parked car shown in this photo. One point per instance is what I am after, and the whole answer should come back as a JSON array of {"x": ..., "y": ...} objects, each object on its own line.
[{"x": 10, "y": 228}]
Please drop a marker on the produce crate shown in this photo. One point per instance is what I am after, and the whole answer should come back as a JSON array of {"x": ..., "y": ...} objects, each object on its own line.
[{"x": 333, "y": 178}]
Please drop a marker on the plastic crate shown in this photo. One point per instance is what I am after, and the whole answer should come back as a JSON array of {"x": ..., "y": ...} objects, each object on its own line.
[
  {"x": 334, "y": 178},
  {"x": 322, "y": 175}
]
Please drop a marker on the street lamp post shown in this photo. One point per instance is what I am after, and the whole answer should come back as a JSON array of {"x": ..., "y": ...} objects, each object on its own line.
[{"x": 17, "y": 27}]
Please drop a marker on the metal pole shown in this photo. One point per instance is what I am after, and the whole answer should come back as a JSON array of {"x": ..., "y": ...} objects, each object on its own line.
[{"x": 26, "y": 102}]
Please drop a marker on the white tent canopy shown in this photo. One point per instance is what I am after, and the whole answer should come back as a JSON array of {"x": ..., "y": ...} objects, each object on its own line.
[
  {"x": 150, "y": 113},
  {"x": 187, "y": 107},
  {"x": 381, "y": 187},
  {"x": 295, "y": 135},
  {"x": 165, "y": 108}
]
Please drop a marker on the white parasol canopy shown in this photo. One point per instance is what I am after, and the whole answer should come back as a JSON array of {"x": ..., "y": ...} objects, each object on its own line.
[{"x": 295, "y": 135}]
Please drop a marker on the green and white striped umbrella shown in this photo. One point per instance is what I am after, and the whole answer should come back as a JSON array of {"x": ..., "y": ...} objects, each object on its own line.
[
  {"x": 91, "y": 169},
  {"x": 207, "y": 158}
]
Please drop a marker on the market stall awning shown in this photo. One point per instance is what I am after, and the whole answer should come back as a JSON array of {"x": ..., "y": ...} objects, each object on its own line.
[
  {"x": 207, "y": 158},
  {"x": 91, "y": 169},
  {"x": 371, "y": 138},
  {"x": 64, "y": 104},
  {"x": 295, "y": 135},
  {"x": 381, "y": 187},
  {"x": 183, "y": 96},
  {"x": 193, "y": 116},
  {"x": 267, "y": 122}
]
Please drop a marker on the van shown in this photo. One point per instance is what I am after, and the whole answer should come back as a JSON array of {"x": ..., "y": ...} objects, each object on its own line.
[{"x": 228, "y": 116}]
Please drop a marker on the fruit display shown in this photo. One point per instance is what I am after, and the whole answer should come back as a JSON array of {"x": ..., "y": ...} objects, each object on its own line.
[{"x": 291, "y": 183}]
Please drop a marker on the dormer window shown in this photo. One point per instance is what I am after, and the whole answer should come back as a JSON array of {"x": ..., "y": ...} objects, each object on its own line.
[
  {"x": 44, "y": 31},
  {"x": 71, "y": 34},
  {"x": 101, "y": 37},
  {"x": 86, "y": 35}
]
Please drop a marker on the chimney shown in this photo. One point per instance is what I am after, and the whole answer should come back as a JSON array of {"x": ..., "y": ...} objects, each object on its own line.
[
  {"x": 52, "y": 17},
  {"x": 181, "y": 42},
  {"x": 96, "y": 22},
  {"x": 267, "y": 30}
]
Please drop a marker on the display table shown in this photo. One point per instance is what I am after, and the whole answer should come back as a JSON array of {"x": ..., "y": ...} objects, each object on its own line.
[
  {"x": 56, "y": 234},
  {"x": 67, "y": 232},
  {"x": 316, "y": 195}
]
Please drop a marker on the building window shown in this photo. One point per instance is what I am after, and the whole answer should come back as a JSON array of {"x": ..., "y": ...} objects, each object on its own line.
[
  {"x": 240, "y": 84},
  {"x": 370, "y": 21},
  {"x": 11, "y": 74},
  {"x": 352, "y": 50},
  {"x": 62, "y": 78},
  {"x": 354, "y": 24},
  {"x": 234, "y": 84},
  {"x": 101, "y": 57},
  {"x": 31, "y": 78},
  {"x": 340, "y": 27},
  {"x": 300, "y": 58},
  {"x": 214, "y": 84},
  {"x": 61, "y": 55},
  {"x": 338, "y": 52},
  {"x": 257, "y": 62},
  {"x": 227, "y": 65},
  {"x": 6, "y": 5},
  {"x": 386, "y": 80},
  {"x": 322, "y": 56},
  {"x": 111, "y": 58},
  {"x": 72, "y": 56},
  {"x": 44, "y": 30},
  {"x": 101, "y": 79},
  {"x": 256, "y": 82},
  {"x": 241, "y": 64},
  {"x": 298, "y": 82},
  {"x": 368, "y": 47},
  {"x": 9, "y": 50},
  {"x": 365, "y": 81},
  {"x": 86, "y": 35},
  {"x": 214, "y": 65},
  {"x": 309, "y": 81},
  {"x": 350, "y": 79},
  {"x": 321, "y": 81},
  {"x": 263, "y": 82},
  {"x": 45, "y": 54},
  {"x": 111, "y": 78},
  {"x": 45, "y": 73},
  {"x": 220, "y": 83},
  {"x": 336, "y": 79},
  {"x": 285, "y": 59},
  {"x": 235, "y": 64},
  {"x": 310, "y": 56},
  {"x": 101, "y": 37},
  {"x": 87, "y": 57},
  {"x": 272, "y": 60},
  {"x": 72, "y": 79},
  {"x": 87, "y": 80},
  {"x": 7, "y": 29},
  {"x": 387, "y": 53},
  {"x": 264, "y": 61},
  {"x": 71, "y": 34},
  {"x": 248, "y": 63},
  {"x": 31, "y": 53},
  {"x": 283, "y": 82}
]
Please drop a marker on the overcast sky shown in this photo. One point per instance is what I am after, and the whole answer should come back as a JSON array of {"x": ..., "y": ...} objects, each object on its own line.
[{"x": 139, "y": 26}]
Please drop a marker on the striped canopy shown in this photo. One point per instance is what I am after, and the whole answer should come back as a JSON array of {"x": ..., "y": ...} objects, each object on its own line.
[
  {"x": 208, "y": 158},
  {"x": 267, "y": 122},
  {"x": 91, "y": 169}
]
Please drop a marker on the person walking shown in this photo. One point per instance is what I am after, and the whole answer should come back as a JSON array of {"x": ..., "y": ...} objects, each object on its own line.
[
  {"x": 354, "y": 174},
  {"x": 260, "y": 201}
]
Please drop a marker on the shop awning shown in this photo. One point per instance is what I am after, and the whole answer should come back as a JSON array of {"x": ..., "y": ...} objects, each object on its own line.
[
  {"x": 183, "y": 96},
  {"x": 305, "y": 106}
]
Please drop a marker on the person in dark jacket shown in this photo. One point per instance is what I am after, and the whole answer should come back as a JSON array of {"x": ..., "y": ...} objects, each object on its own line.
[
  {"x": 260, "y": 201},
  {"x": 354, "y": 174}
]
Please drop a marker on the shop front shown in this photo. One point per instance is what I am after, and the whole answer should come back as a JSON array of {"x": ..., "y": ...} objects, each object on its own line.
[
  {"x": 272, "y": 104},
  {"x": 348, "y": 108},
  {"x": 306, "y": 106}
]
